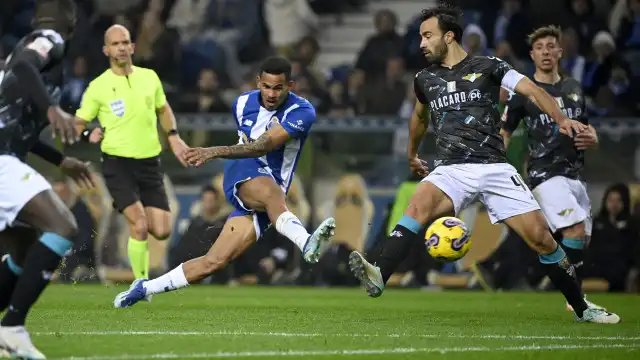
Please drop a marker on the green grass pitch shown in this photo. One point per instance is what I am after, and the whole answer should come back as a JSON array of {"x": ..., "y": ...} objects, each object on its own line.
[{"x": 207, "y": 322}]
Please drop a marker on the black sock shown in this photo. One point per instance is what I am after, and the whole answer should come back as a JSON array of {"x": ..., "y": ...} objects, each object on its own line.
[
  {"x": 575, "y": 252},
  {"x": 397, "y": 246},
  {"x": 9, "y": 273},
  {"x": 563, "y": 276},
  {"x": 39, "y": 266}
]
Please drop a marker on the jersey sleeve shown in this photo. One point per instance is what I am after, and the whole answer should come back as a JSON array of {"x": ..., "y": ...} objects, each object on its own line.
[
  {"x": 90, "y": 105},
  {"x": 299, "y": 121},
  {"x": 503, "y": 74},
  {"x": 417, "y": 89},
  {"x": 513, "y": 112},
  {"x": 161, "y": 97},
  {"x": 49, "y": 46}
]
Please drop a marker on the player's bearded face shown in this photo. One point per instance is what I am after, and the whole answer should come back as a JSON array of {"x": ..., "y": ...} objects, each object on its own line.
[
  {"x": 546, "y": 53},
  {"x": 274, "y": 89},
  {"x": 433, "y": 43}
]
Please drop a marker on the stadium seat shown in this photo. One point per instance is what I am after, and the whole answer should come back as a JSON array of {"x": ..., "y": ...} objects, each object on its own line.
[
  {"x": 353, "y": 210},
  {"x": 595, "y": 285}
]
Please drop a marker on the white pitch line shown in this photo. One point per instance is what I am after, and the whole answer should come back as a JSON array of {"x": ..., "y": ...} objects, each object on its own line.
[
  {"x": 390, "y": 351},
  {"x": 347, "y": 335}
]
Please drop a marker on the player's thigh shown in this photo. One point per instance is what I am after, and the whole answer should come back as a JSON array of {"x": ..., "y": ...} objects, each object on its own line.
[
  {"x": 249, "y": 185},
  {"x": 557, "y": 199},
  {"x": 238, "y": 233},
  {"x": 427, "y": 202},
  {"x": 119, "y": 178},
  {"x": 17, "y": 241},
  {"x": 262, "y": 193},
  {"x": 448, "y": 188}
]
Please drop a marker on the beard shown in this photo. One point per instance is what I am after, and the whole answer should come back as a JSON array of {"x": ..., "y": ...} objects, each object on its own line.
[{"x": 438, "y": 54}]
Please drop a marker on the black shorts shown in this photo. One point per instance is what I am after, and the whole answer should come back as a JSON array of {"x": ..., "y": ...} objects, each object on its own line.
[{"x": 132, "y": 180}]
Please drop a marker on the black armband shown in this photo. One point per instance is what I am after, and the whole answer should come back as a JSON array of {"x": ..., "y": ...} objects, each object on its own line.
[
  {"x": 48, "y": 153},
  {"x": 172, "y": 132}
]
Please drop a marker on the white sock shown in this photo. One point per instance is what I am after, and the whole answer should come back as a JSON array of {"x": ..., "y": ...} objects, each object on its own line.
[
  {"x": 173, "y": 280},
  {"x": 290, "y": 226}
]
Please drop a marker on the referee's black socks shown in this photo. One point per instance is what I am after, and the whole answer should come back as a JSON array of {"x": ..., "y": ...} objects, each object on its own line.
[
  {"x": 397, "y": 246},
  {"x": 9, "y": 273},
  {"x": 42, "y": 260},
  {"x": 563, "y": 276}
]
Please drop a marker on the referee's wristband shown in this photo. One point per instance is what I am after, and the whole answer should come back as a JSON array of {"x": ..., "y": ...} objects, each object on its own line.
[
  {"x": 172, "y": 132},
  {"x": 84, "y": 136}
]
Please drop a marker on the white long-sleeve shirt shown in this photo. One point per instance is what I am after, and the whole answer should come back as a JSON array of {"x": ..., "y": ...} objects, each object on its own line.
[{"x": 289, "y": 20}]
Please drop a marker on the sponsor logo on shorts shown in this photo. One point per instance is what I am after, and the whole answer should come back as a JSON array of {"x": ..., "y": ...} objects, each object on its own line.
[{"x": 565, "y": 212}]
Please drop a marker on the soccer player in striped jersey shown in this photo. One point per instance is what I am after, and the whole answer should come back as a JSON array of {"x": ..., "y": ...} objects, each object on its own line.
[{"x": 273, "y": 125}]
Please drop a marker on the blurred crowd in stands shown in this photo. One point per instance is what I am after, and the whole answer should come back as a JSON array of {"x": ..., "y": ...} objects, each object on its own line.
[{"x": 205, "y": 51}]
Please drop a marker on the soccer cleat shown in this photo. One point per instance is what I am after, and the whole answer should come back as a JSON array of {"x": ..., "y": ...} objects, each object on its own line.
[
  {"x": 15, "y": 341},
  {"x": 589, "y": 304},
  {"x": 136, "y": 293},
  {"x": 318, "y": 242},
  {"x": 599, "y": 317},
  {"x": 369, "y": 275}
]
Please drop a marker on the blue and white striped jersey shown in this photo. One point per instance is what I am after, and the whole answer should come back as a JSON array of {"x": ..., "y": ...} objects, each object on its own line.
[{"x": 296, "y": 115}]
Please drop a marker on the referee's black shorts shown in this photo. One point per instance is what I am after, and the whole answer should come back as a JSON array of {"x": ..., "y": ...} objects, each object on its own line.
[{"x": 132, "y": 180}]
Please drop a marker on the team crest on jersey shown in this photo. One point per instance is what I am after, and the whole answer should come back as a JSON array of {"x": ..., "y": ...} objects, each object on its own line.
[
  {"x": 574, "y": 97},
  {"x": 273, "y": 122},
  {"x": 149, "y": 101},
  {"x": 117, "y": 108},
  {"x": 472, "y": 77}
]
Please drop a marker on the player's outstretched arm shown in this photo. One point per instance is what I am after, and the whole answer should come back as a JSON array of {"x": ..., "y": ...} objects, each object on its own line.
[
  {"x": 546, "y": 103},
  {"x": 274, "y": 138},
  {"x": 418, "y": 125}
]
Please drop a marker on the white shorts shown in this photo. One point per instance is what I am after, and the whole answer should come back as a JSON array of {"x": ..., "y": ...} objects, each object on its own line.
[
  {"x": 564, "y": 202},
  {"x": 19, "y": 183},
  {"x": 498, "y": 186}
]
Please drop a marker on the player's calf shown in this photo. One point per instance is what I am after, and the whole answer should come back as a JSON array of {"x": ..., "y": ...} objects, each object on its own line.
[{"x": 49, "y": 214}]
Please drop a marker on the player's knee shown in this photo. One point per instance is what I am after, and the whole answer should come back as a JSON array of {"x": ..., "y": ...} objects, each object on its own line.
[
  {"x": 576, "y": 231},
  {"x": 161, "y": 230},
  {"x": 140, "y": 229},
  {"x": 66, "y": 226},
  {"x": 213, "y": 263}
]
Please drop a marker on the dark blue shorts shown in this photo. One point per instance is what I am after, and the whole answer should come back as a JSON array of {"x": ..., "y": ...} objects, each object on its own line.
[{"x": 237, "y": 172}]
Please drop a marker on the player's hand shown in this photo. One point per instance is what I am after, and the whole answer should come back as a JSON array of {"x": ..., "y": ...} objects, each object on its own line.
[
  {"x": 96, "y": 135},
  {"x": 179, "y": 149},
  {"x": 570, "y": 127},
  {"x": 586, "y": 139},
  {"x": 418, "y": 166},
  {"x": 63, "y": 125},
  {"x": 198, "y": 156},
  {"x": 79, "y": 171}
]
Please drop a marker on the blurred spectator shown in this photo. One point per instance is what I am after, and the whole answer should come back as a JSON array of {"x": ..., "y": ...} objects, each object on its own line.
[
  {"x": 599, "y": 68},
  {"x": 208, "y": 98},
  {"x": 616, "y": 98},
  {"x": 572, "y": 62},
  {"x": 156, "y": 46},
  {"x": 203, "y": 229},
  {"x": 586, "y": 22},
  {"x": 306, "y": 53},
  {"x": 288, "y": 22},
  {"x": 474, "y": 40},
  {"x": 80, "y": 265},
  {"x": 406, "y": 109},
  {"x": 188, "y": 18},
  {"x": 380, "y": 47},
  {"x": 609, "y": 254},
  {"x": 628, "y": 35},
  {"x": 384, "y": 95},
  {"x": 77, "y": 83},
  {"x": 513, "y": 25}
]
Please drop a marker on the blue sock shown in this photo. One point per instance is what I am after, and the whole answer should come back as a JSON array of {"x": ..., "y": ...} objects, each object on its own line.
[
  {"x": 15, "y": 268},
  {"x": 410, "y": 223},
  {"x": 573, "y": 243},
  {"x": 553, "y": 258}
]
